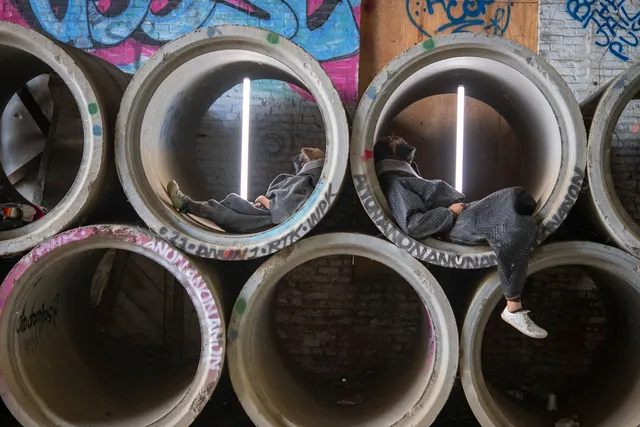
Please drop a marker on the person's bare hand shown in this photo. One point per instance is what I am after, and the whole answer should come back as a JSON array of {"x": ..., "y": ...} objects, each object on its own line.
[
  {"x": 262, "y": 201},
  {"x": 457, "y": 208}
]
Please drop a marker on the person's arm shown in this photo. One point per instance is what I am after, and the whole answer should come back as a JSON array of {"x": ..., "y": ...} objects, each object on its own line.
[{"x": 413, "y": 215}]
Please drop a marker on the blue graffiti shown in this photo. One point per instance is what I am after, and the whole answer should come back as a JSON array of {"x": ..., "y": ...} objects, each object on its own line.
[
  {"x": 462, "y": 15},
  {"x": 329, "y": 32},
  {"x": 616, "y": 28}
]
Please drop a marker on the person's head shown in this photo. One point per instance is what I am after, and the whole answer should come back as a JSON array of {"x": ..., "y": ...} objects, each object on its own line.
[
  {"x": 310, "y": 154},
  {"x": 393, "y": 147}
]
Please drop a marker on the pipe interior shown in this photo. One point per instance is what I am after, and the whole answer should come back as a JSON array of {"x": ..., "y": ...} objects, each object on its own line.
[
  {"x": 22, "y": 141},
  {"x": 282, "y": 122},
  {"x": 195, "y": 115},
  {"x": 531, "y": 127},
  {"x": 105, "y": 337},
  {"x": 589, "y": 361},
  {"x": 349, "y": 344},
  {"x": 625, "y": 160}
]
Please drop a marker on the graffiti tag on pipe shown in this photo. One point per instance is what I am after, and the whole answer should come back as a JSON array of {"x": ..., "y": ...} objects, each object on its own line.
[
  {"x": 417, "y": 249},
  {"x": 196, "y": 287},
  {"x": 38, "y": 317},
  {"x": 294, "y": 234},
  {"x": 569, "y": 200}
]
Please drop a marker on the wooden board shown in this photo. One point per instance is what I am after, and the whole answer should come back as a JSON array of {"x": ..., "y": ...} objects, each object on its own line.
[
  {"x": 389, "y": 27},
  {"x": 492, "y": 155}
]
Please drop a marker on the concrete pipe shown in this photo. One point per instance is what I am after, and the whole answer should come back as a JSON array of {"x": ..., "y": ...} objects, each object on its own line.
[
  {"x": 109, "y": 325},
  {"x": 602, "y": 111},
  {"x": 97, "y": 88},
  {"x": 275, "y": 394},
  {"x": 615, "y": 274},
  {"x": 159, "y": 121},
  {"x": 520, "y": 85}
]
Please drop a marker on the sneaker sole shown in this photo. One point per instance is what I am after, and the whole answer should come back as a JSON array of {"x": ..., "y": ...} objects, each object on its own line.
[{"x": 523, "y": 332}]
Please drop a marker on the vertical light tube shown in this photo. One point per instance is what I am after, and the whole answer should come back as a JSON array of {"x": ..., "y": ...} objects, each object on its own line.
[
  {"x": 460, "y": 139},
  {"x": 244, "y": 161}
]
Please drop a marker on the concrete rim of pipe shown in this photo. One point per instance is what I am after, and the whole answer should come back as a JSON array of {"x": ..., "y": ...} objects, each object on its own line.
[
  {"x": 77, "y": 69},
  {"x": 539, "y": 102},
  {"x": 180, "y": 70},
  {"x": 604, "y": 259},
  {"x": 200, "y": 283},
  {"x": 604, "y": 198},
  {"x": 428, "y": 383}
]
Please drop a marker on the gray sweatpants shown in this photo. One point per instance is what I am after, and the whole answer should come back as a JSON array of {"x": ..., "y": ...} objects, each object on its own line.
[{"x": 496, "y": 220}]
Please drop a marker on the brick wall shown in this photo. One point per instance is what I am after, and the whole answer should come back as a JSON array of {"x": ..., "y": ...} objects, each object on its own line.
[
  {"x": 278, "y": 129},
  {"x": 590, "y": 43},
  {"x": 342, "y": 329},
  {"x": 568, "y": 303}
]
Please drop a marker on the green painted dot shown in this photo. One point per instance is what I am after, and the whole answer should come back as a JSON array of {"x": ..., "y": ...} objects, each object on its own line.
[
  {"x": 428, "y": 44},
  {"x": 93, "y": 108},
  {"x": 241, "y": 306},
  {"x": 273, "y": 38}
]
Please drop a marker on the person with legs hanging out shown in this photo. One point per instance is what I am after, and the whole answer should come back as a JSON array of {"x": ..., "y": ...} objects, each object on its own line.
[
  {"x": 285, "y": 195},
  {"x": 432, "y": 208}
]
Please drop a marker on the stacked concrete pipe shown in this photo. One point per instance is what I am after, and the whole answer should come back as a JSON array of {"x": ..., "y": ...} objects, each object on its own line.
[
  {"x": 272, "y": 394},
  {"x": 97, "y": 87},
  {"x": 160, "y": 115},
  {"x": 51, "y": 371},
  {"x": 616, "y": 274},
  {"x": 520, "y": 85},
  {"x": 602, "y": 111}
]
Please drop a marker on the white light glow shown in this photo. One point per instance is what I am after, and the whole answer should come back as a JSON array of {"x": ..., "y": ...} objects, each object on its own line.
[
  {"x": 244, "y": 162},
  {"x": 460, "y": 139}
]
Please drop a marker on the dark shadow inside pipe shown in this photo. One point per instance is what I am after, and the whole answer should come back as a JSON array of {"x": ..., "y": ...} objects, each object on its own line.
[
  {"x": 492, "y": 157},
  {"x": 202, "y": 154},
  {"x": 589, "y": 361},
  {"x": 107, "y": 337},
  {"x": 505, "y": 101},
  {"x": 41, "y": 132},
  {"x": 625, "y": 159},
  {"x": 346, "y": 341}
]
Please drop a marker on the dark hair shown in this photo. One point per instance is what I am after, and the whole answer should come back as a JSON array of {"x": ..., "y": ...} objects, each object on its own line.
[{"x": 386, "y": 147}]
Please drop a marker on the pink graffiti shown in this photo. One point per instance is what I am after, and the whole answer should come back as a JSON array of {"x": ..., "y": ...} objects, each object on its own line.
[
  {"x": 197, "y": 288},
  {"x": 343, "y": 72},
  {"x": 9, "y": 13}
]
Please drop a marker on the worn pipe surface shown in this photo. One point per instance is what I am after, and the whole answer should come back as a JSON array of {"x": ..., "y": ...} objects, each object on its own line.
[
  {"x": 89, "y": 335},
  {"x": 521, "y": 86},
  {"x": 161, "y": 113},
  {"x": 97, "y": 88},
  {"x": 274, "y": 394},
  {"x": 615, "y": 273}
]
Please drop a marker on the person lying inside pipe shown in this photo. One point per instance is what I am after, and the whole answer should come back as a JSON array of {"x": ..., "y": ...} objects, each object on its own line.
[
  {"x": 425, "y": 208},
  {"x": 285, "y": 195}
]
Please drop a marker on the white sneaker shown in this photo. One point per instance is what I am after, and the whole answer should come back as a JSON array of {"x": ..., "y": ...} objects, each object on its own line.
[{"x": 522, "y": 322}]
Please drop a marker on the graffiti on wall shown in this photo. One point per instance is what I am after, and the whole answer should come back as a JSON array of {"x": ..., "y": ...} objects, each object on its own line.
[
  {"x": 127, "y": 32},
  {"x": 460, "y": 16},
  {"x": 616, "y": 25}
]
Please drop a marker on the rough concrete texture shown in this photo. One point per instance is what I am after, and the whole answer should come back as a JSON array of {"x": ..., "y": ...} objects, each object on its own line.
[
  {"x": 343, "y": 331},
  {"x": 584, "y": 47}
]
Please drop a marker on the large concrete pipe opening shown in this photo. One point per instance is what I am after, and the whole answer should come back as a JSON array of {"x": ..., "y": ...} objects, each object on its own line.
[
  {"x": 164, "y": 106},
  {"x": 613, "y": 163},
  {"x": 342, "y": 330},
  {"x": 510, "y": 83},
  {"x": 586, "y": 295},
  {"x": 281, "y": 123},
  {"x": 56, "y": 128},
  {"x": 109, "y": 325}
]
